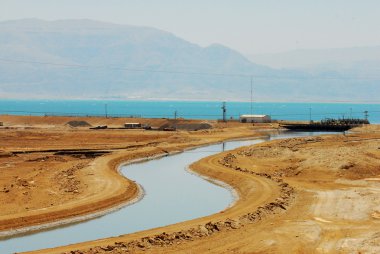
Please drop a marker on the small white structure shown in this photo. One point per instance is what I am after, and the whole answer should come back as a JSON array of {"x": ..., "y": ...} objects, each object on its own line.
[{"x": 255, "y": 119}]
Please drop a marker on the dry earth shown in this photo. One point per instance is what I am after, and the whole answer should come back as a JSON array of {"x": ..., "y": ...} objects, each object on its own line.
[
  {"x": 51, "y": 171},
  {"x": 301, "y": 195}
]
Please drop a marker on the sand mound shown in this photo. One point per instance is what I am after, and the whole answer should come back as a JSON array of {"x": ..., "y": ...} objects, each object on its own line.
[
  {"x": 78, "y": 124},
  {"x": 187, "y": 126},
  {"x": 194, "y": 126}
]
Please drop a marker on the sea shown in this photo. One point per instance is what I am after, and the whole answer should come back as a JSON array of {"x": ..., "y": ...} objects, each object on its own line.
[{"x": 210, "y": 110}]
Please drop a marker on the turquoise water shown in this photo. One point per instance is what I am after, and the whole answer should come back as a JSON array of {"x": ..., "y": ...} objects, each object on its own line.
[{"x": 188, "y": 110}]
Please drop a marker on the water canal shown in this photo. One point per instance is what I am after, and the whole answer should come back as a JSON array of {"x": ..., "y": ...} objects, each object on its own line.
[{"x": 171, "y": 195}]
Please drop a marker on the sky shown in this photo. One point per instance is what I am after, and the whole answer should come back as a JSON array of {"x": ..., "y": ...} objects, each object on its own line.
[{"x": 249, "y": 26}]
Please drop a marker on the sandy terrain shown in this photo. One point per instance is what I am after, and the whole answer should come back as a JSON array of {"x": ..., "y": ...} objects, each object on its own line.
[
  {"x": 301, "y": 195},
  {"x": 51, "y": 171}
]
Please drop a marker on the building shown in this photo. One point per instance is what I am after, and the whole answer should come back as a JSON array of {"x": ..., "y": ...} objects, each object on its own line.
[
  {"x": 132, "y": 125},
  {"x": 255, "y": 119}
]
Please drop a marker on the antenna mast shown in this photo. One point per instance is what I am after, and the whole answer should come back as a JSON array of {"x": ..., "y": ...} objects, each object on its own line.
[{"x": 224, "y": 111}]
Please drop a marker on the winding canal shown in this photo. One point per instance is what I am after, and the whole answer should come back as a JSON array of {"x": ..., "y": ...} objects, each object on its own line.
[{"x": 171, "y": 195}]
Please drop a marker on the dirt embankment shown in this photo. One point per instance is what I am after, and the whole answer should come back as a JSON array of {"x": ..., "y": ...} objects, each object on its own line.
[
  {"x": 58, "y": 172},
  {"x": 301, "y": 195},
  {"x": 49, "y": 122}
]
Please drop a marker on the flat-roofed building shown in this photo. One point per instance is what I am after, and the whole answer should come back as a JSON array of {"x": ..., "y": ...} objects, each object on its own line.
[
  {"x": 255, "y": 119},
  {"x": 132, "y": 125}
]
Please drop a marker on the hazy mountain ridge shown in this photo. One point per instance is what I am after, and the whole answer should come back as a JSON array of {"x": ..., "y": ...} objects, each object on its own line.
[
  {"x": 107, "y": 53},
  {"x": 357, "y": 61}
]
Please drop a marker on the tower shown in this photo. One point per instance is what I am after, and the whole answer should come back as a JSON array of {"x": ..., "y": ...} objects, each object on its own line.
[{"x": 224, "y": 109}]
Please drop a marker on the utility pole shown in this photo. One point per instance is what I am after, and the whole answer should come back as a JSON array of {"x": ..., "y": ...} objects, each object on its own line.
[
  {"x": 310, "y": 114},
  {"x": 175, "y": 120},
  {"x": 224, "y": 111},
  {"x": 106, "y": 110},
  {"x": 251, "y": 95}
]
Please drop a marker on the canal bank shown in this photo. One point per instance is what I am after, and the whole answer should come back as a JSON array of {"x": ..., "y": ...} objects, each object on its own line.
[
  {"x": 334, "y": 209},
  {"x": 206, "y": 201}
]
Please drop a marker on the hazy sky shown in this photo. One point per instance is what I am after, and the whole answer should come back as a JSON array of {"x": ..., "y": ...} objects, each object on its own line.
[{"x": 249, "y": 26}]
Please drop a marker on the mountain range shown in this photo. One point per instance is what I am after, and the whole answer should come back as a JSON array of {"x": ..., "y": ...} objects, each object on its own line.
[
  {"x": 85, "y": 59},
  {"x": 358, "y": 61}
]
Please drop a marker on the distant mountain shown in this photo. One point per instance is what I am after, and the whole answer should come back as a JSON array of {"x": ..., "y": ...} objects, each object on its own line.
[
  {"x": 357, "y": 60},
  {"x": 90, "y": 59}
]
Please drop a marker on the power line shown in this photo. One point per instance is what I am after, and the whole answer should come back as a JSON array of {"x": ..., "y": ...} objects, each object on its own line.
[{"x": 185, "y": 72}]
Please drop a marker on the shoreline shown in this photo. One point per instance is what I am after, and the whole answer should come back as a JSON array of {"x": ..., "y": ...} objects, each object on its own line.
[
  {"x": 70, "y": 219},
  {"x": 5, "y": 235},
  {"x": 234, "y": 194}
]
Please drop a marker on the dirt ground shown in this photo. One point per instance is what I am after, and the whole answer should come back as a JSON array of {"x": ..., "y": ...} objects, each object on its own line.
[
  {"x": 301, "y": 195},
  {"x": 52, "y": 171}
]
